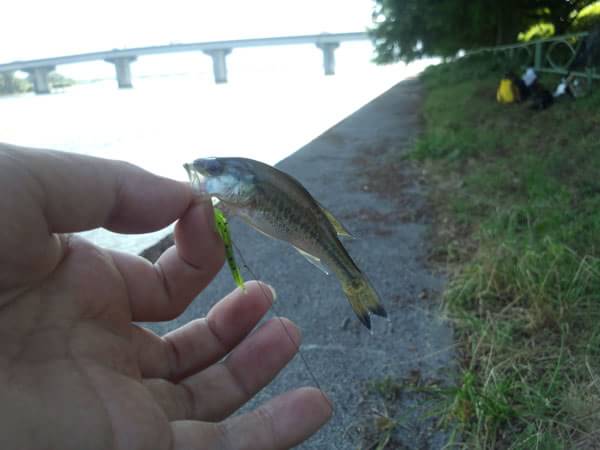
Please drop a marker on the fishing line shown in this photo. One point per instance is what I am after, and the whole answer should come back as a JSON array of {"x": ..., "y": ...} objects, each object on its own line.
[
  {"x": 289, "y": 334},
  {"x": 296, "y": 345}
]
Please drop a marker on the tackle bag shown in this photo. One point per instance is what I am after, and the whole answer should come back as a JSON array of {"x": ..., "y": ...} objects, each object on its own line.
[{"x": 507, "y": 92}]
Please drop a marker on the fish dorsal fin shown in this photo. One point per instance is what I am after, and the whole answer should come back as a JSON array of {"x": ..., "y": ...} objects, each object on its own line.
[
  {"x": 339, "y": 228},
  {"x": 313, "y": 260}
]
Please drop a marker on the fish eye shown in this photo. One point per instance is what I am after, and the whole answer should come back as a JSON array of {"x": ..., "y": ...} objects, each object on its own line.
[{"x": 212, "y": 166}]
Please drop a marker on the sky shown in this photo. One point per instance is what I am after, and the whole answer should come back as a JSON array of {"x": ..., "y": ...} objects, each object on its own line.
[{"x": 45, "y": 28}]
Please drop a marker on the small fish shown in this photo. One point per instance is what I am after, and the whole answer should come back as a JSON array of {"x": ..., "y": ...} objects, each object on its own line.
[
  {"x": 223, "y": 230},
  {"x": 277, "y": 205}
]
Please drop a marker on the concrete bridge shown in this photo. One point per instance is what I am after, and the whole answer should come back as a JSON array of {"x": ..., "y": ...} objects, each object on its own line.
[{"x": 122, "y": 58}]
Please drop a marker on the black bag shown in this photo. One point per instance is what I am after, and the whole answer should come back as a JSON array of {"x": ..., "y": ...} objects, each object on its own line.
[
  {"x": 542, "y": 98},
  {"x": 524, "y": 91}
]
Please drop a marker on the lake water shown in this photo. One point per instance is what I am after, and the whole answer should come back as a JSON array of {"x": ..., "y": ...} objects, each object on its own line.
[{"x": 276, "y": 101}]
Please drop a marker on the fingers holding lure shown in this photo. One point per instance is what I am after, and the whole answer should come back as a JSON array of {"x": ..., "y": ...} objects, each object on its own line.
[{"x": 277, "y": 205}]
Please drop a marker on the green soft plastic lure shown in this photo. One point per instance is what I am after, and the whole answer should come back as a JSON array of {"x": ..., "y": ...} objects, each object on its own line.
[{"x": 223, "y": 230}]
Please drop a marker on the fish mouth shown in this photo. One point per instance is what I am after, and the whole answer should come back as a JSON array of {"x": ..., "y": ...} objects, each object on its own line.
[{"x": 197, "y": 180}]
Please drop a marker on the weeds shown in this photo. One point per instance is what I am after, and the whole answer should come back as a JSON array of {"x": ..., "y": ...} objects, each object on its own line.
[
  {"x": 401, "y": 413},
  {"x": 520, "y": 191}
]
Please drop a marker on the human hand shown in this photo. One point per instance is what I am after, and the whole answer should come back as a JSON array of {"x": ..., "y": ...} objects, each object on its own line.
[{"x": 76, "y": 372}]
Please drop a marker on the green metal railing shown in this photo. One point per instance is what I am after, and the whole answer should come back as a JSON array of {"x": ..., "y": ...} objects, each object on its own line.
[{"x": 550, "y": 55}]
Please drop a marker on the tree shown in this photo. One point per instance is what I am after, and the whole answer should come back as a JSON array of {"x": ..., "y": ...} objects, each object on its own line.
[
  {"x": 409, "y": 29},
  {"x": 561, "y": 13}
]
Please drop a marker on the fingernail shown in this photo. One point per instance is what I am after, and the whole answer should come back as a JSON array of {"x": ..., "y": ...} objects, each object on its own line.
[{"x": 273, "y": 293}]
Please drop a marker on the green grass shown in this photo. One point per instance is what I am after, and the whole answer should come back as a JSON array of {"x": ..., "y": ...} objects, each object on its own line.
[
  {"x": 399, "y": 410},
  {"x": 516, "y": 197}
]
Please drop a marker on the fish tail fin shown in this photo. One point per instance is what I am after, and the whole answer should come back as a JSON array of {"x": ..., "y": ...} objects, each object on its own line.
[{"x": 363, "y": 298}]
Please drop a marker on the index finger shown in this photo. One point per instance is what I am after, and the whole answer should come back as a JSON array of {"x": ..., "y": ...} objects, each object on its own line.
[{"x": 46, "y": 192}]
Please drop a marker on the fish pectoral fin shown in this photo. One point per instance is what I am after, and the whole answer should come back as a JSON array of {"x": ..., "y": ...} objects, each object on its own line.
[
  {"x": 339, "y": 228},
  {"x": 313, "y": 260},
  {"x": 258, "y": 229}
]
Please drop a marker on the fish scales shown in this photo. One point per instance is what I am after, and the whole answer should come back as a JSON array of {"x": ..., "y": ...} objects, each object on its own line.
[{"x": 303, "y": 220}]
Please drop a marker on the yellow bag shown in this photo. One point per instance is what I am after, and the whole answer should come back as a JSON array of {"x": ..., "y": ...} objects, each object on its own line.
[{"x": 507, "y": 91}]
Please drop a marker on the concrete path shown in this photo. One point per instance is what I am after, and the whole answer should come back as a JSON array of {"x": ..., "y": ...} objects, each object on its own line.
[{"x": 354, "y": 170}]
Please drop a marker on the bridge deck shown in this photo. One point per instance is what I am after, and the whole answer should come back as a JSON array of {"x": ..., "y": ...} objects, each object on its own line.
[{"x": 189, "y": 47}]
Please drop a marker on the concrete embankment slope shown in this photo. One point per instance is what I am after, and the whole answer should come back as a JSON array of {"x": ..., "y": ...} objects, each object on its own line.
[{"x": 354, "y": 170}]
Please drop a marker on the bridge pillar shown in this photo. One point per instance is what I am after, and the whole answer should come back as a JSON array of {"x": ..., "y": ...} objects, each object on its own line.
[
  {"x": 8, "y": 82},
  {"x": 39, "y": 78},
  {"x": 123, "y": 68},
  {"x": 219, "y": 63},
  {"x": 328, "y": 49}
]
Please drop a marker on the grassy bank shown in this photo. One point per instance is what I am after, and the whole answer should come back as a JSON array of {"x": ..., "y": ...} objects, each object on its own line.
[{"x": 516, "y": 197}]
